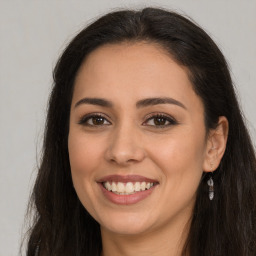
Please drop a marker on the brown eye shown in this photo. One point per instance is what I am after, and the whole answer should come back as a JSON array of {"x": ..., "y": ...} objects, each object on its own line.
[
  {"x": 98, "y": 120},
  {"x": 160, "y": 121},
  {"x": 94, "y": 120}
]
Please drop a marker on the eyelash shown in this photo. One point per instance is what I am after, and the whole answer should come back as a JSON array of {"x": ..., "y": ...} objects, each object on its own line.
[
  {"x": 167, "y": 118},
  {"x": 84, "y": 120}
]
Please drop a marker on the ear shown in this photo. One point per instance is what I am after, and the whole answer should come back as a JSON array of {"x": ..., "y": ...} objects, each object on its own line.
[{"x": 216, "y": 145}]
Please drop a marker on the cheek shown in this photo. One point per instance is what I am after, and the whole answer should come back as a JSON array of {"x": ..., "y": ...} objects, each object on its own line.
[
  {"x": 178, "y": 149},
  {"x": 180, "y": 161},
  {"x": 84, "y": 154},
  {"x": 85, "y": 158},
  {"x": 180, "y": 158}
]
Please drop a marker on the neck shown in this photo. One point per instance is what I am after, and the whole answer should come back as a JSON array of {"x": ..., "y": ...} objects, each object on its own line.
[{"x": 168, "y": 240}]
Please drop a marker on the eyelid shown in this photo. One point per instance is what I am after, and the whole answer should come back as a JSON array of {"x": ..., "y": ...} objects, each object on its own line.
[
  {"x": 86, "y": 117},
  {"x": 169, "y": 118}
]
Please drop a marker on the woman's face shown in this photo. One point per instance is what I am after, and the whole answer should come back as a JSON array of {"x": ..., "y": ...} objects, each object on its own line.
[{"x": 137, "y": 140}]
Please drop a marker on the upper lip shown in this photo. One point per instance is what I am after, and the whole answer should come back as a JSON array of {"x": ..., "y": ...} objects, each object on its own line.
[{"x": 126, "y": 178}]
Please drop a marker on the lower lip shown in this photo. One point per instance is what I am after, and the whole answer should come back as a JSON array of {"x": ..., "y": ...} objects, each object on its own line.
[{"x": 126, "y": 199}]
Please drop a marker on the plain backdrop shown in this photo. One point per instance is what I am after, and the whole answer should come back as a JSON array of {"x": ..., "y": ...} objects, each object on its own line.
[{"x": 33, "y": 34}]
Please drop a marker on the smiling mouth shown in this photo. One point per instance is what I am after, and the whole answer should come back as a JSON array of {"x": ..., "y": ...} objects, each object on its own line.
[
  {"x": 127, "y": 185},
  {"x": 127, "y": 188}
]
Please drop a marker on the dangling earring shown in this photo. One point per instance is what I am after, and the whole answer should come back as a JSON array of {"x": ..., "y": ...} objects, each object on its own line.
[{"x": 211, "y": 186}]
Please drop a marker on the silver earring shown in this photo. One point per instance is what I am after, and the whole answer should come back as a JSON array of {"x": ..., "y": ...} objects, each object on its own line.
[
  {"x": 211, "y": 188},
  {"x": 211, "y": 185}
]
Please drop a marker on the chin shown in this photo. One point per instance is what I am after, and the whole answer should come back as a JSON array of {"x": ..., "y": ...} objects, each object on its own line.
[
  {"x": 126, "y": 225},
  {"x": 125, "y": 230}
]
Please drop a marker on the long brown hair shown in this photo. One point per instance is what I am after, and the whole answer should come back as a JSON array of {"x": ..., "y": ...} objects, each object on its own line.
[{"x": 224, "y": 226}]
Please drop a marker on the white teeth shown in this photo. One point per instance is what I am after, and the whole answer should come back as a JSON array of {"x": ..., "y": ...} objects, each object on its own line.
[
  {"x": 143, "y": 185},
  {"x": 108, "y": 186},
  {"x": 113, "y": 187},
  {"x": 120, "y": 187},
  {"x": 127, "y": 188},
  {"x": 137, "y": 186}
]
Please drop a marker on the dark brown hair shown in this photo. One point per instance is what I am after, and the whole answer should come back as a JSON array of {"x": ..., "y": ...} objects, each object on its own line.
[{"x": 224, "y": 226}]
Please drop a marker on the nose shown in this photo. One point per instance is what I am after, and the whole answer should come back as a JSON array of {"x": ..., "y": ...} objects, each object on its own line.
[{"x": 125, "y": 147}]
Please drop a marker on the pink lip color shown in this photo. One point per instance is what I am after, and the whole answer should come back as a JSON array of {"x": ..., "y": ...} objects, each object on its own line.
[{"x": 126, "y": 199}]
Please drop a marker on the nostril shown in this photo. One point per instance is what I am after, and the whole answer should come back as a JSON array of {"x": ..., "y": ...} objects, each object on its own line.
[{"x": 124, "y": 155}]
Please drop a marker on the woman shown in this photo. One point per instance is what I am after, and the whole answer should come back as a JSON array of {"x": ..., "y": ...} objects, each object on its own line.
[{"x": 145, "y": 148}]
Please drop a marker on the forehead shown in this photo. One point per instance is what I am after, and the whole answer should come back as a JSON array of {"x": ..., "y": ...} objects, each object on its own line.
[{"x": 131, "y": 71}]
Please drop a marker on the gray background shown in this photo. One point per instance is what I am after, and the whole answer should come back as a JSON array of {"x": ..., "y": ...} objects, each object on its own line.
[{"x": 33, "y": 34}]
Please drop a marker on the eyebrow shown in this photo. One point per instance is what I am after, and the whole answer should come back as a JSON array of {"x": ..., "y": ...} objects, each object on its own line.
[
  {"x": 95, "y": 101},
  {"x": 156, "y": 101},
  {"x": 141, "y": 103}
]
